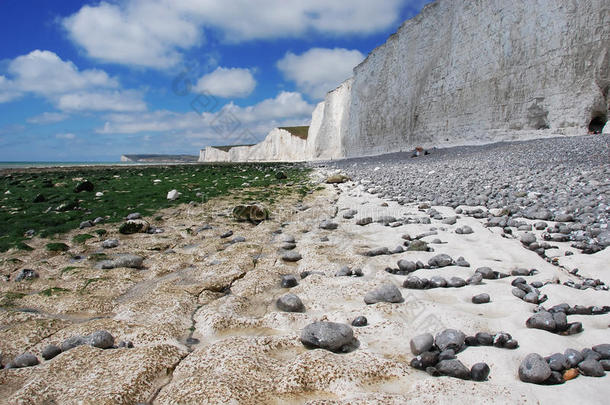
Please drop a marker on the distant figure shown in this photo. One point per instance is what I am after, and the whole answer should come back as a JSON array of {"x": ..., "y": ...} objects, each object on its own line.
[{"x": 418, "y": 151}]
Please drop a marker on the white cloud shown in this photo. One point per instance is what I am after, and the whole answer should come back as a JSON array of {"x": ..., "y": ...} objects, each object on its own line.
[
  {"x": 141, "y": 33},
  {"x": 7, "y": 90},
  {"x": 48, "y": 118},
  {"x": 227, "y": 82},
  {"x": 153, "y": 33},
  {"x": 319, "y": 70},
  {"x": 45, "y": 74},
  {"x": 243, "y": 20},
  {"x": 102, "y": 101},
  {"x": 284, "y": 105},
  {"x": 67, "y": 136},
  {"x": 232, "y": 124}
]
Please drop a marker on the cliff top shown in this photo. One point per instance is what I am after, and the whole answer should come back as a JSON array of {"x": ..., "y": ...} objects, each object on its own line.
[
  {"x": 227, "y": 148},
  {"x": 299, "y": 132}
]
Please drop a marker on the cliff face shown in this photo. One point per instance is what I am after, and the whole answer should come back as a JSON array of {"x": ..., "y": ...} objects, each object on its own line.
[
  {"x": 481, "y": 71},
  {"x": 278, "y": 145},
  {"x": 472, "y": 72},
  {"x": 328, "y": 129}
]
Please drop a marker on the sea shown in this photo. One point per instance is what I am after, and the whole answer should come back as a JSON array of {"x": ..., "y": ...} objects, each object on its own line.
[{"x": 24, "y": 165}]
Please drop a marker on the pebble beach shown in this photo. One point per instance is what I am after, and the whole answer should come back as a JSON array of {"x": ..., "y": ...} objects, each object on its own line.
[{"x": 472, "y": 274}]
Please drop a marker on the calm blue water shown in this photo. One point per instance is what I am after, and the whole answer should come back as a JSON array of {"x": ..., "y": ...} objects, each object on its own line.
[{"x": 13, "y": 165}]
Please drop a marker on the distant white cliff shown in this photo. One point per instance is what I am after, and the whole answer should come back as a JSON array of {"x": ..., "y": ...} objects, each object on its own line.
[{"x": 464, "y": 72}]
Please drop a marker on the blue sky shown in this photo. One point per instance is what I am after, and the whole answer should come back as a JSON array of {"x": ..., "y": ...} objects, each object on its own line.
[{"x": 90, "y": 80}]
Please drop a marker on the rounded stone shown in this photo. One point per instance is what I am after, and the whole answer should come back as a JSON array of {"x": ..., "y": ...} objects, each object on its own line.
[
  {"x": 335, "y": 337},
  {"x": 386, "y": 293},
  {"x": 603, "y": 350},
  {"x": 24, "y": 360},
  {"x": 291, "y": 256},
  {"x": 456, "y": 282},
  {"x": 573, "y": 356},
  {"x": 50, "y": 351},
  {"x": 110, "y": 243},
  {"x": 591, "y": 368},
  {"x": 542, "y": 320},
  {"x": 479, "y": 372},
  {"x": 290, "y": 303},
  {"x": 328, "y": 225},
  {"x": 422, "y": 343},
  {"x": 289, "y": 281},
  {"x": 450, "y": 339},
  {"x": 476, "y": 278},
  {"x": 558, "y": 362},
  {"x": 481, "y": 299},
  {"x": 415, "y": 283},
  {"x": 72, "y": 342},
  {"x": 453, "y": 368},
  {"x": 442, "y": 260},
  {"x": 437, "y": 282},
  {"x": 101, "y": 339},
  {"x": 486, "y": 272},
  {"x": 407, "y": 266},
  {"x": 484, "y": 339},
  {"x": 534, "y": 369},
  {"x": 360, "y": 321},
  {"x": 424, "y": 360}
]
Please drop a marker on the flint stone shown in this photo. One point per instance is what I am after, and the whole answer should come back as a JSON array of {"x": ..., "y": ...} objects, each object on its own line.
[
  {"x": 442, "y": 260},
  {"x": 422, "y": 343},
  {"x": 290, "y": 303},
  {"x": 328, "y": 225},
  {"x": 603, "y": 350},
  {"x": 289, "y": 281},
  {"x": 110, "y": 243},
  {"x": 534, "y": 369},
  {"x": 481, "y": 299},
  {"x": 558, "y": 362},
  {"x": 386, "y": 293},
  {"x": 573, "y": 356},
  {"x": 591, "y": 368},
  {"x": 24, "y": 360},
  {"x": 335, "y": 337},
  {"x": 479, "y": 372},
  {"x": 50, "y": 351},
  {"x": 542, "y": 320},
  {"x": 453, "y": 368},
  {"x": 450, "y": 339},
  {"x": 406, "y": 266}
]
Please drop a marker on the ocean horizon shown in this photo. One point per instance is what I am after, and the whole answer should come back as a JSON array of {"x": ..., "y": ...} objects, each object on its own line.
[{"x": 18, "y": 165}]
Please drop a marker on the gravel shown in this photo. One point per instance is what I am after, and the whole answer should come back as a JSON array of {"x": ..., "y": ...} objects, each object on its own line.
[{"x": 545, "y": 179}]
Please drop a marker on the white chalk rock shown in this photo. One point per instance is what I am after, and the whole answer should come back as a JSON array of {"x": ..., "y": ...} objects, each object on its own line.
[{"x": 173, "y": 195}]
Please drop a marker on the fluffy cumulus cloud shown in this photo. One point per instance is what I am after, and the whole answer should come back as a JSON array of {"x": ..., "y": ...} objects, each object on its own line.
[
  {"x": 319, "y": 70},
  {"x": 45, "y": 74},
  {"x": 154, "y": 33},
  {"x": 227, "y": 82},
  {"x": 231, "y": 124},
  {"x": 140, "y": 32}
]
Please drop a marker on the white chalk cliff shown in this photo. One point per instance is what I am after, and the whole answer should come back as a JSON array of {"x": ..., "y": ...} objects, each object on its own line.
[
  {"x": 465, "y": 72},
  {"x": 279, "y": 145}
]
